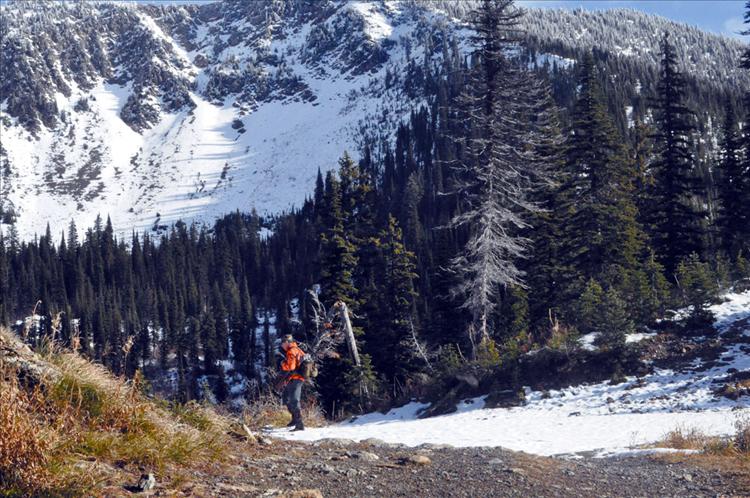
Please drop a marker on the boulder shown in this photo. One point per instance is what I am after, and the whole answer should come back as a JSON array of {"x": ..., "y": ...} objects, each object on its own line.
[
  {"x": 146, "y": 483},
  {"x": 416, "y": 460},
  {"x": 468, "y": 378},
  {"x": 303, "y": 493},
  {"x": 264, "y": 440},
  {"x": 366, "y": 456},
  {"x": 339, "y": 442},
  {"x": 505, "y": 398},
  {"x": 373, "y": 442}
]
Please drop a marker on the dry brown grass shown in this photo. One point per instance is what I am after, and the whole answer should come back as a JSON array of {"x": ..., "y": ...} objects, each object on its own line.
[
  {"x": 727, "y": 456},
  {"x": 269, "y": 410},
  {"x": 687, "y": 438},
  {"x": 23, "y": 450},
  {"x": 684, "y": 438},
  {"x": 741, "y": 438},
  {"x": 80, "y": 412}
]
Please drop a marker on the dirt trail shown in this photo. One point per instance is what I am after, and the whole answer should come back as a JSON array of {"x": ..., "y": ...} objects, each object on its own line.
[{"x": 346, "y": 469}]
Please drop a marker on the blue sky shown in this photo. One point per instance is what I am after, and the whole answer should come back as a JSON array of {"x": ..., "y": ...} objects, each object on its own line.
[{"x": 718, "y": 16}]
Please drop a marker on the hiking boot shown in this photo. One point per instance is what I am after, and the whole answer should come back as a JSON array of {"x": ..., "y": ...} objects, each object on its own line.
[
  {"x": 298, "y": 427},
  {"x": 292, "y": 423}
]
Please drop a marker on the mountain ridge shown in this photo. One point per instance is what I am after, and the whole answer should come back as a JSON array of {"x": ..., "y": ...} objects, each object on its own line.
[{"x": 160, "y": 113}]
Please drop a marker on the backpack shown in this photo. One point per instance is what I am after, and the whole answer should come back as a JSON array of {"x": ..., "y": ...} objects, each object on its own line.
[{"x": 308, "y": 369}]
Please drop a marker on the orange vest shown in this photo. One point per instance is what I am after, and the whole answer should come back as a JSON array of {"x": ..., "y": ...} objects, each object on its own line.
[{"x": 293, "y": 361}]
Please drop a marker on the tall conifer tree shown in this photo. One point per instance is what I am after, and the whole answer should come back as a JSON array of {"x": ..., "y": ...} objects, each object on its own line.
[
  {"x": 601, "y": 238},
  {"x": 496, "y": 176},
  {"x": 677, "y": 217},
  {"x": 733, "y": 189},
  {"x": 337, "y": 258}
]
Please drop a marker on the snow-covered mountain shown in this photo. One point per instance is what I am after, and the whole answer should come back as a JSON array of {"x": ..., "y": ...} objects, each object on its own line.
[
  {"x": 631, "y": 34},
  {"x": 152, "y": 114}
]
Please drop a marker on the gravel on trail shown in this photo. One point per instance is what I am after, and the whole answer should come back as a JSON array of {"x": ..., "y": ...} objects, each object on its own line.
[{"x": 342, "y": 468}]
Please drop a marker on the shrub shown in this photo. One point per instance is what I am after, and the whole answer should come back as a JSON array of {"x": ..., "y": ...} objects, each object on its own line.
[
  {"x": 488, "y": 355},
  {"x": 589, "y": 306},
  {"x": 742, "y": 273},
  {"x": 562, "y": 337},
  {"x": 614, "y": 321},
  {"x": 742, "y": 434},
  {"x": 647, "y": 290},
  {"x": 449, "y": 360},
  {"x": 684, "y": 438},
  {"x": 268, "y": 410},
  {"x": 699, "y": 289},
  {"x": 194, "y": 414}
]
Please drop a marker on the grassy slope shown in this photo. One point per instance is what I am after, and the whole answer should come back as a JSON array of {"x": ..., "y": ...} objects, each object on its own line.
[{"x": 69, "y": 427}]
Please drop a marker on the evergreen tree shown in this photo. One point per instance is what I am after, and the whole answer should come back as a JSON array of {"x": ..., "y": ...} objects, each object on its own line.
[
  {"x": 249, "y": 325},
  {"x": 734, "y": 190},
  {"x": 208, "y": 341},
  {"x": 678, "y": 193},
  {"x": 642, "y": 154},
  {"x": 337, "y": 258},
  {"x": 495, "y": 177},
  {"x": 601, "y": 238},
  {"x": 699, "y": 290},
  {"x": 589, "y": 306},
  {"x": 399, "y": 358},
  {"x": 544, "y": 266},
  {"x": 614, "y": 322}
]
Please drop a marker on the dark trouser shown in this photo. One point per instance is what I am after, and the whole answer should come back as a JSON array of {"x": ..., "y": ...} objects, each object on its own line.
[{"x": 292, "y": 396}]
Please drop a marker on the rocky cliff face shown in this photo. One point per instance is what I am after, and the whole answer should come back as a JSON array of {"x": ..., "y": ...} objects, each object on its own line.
[
  {"x": 61, "y": 49},
  {"x": 151, "y": 114},
  {"x": 156, "y": 113}
]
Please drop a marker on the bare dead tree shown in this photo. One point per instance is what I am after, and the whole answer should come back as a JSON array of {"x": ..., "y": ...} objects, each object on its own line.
[
  {"x": 421, "y": 349},
  {"x": 332, "y": 328},
  {"x": 500, "y": 168},
  {"x": 128, "y": 346},
  {"x": 326, "y": 340}
]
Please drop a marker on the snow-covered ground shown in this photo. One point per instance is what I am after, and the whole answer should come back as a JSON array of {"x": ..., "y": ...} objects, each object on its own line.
[{"x": 602, "y": 419}]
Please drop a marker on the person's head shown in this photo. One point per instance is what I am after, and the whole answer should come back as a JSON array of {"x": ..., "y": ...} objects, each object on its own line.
[{"x": 287, "y": 341}]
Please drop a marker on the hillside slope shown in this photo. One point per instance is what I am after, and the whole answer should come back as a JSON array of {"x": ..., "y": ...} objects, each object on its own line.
[
  {"x": 68, "y": 428},
  {"x": 170, "y": 113},
  {"x": 702, "y": 389}
]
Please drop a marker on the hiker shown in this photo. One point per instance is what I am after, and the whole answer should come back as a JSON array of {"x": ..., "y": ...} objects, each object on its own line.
[{"x": 292, "y": 364}]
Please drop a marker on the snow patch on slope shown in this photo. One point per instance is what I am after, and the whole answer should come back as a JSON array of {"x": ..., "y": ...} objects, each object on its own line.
[
  {"x": 599, "y": 419},
  {"x": 377, "y": 26},
  {"x": 83, "y": 164},
  {"x": 221, "y": 156}
]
